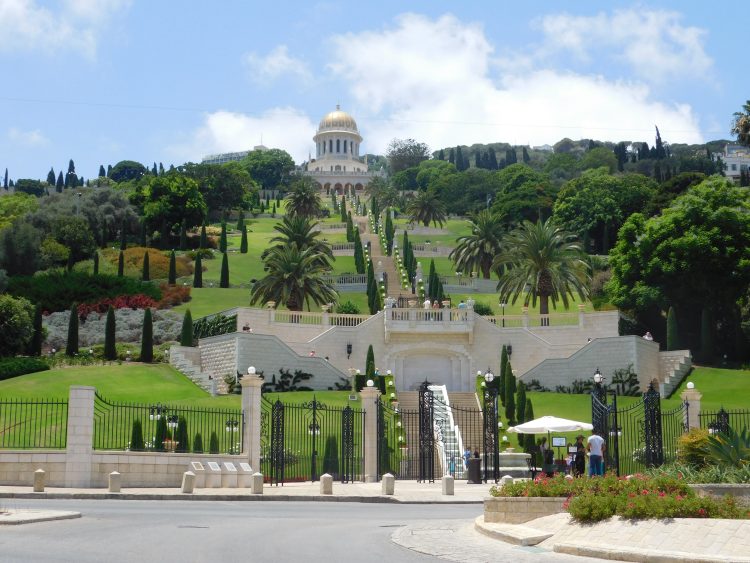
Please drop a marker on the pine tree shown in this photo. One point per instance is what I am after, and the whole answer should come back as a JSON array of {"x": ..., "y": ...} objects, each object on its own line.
[
  {"x": 35, "y": 344},
  {"x": 673, "y": 337},
  {"x": 121, "y": 264},
  {"x": 51, "y": 177},
  {"x": 59, "y": 185},
  {"x": 110, "y": 349},
  {"x": 147, "y": 338},
  {"x": 501, "y": 379},
  {"x": 224, "y": 281},
  {"x": 510, "y": 394},
  {"x": 707, "y": 336},
  {"x": 243, "y": 240},
  {"x": 102, "y": 172},
  {"x": 172, "y": 279},
  {"x": 186, "y": 335},
  {"x": 96, "y": 263},
  {"x": 520, "y": 407},
  {"x": 183, "y": 235},
  {"x": 204, "y": 238},
  {"x": 223, "y": 237},
  {"x": 198, "y": 272},
  {"x": 146, "y": 275}
]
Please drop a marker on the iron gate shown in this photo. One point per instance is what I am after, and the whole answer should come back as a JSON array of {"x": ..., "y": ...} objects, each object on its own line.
[
  {"x": 637, "y": 436},
  {"x": 301, "y": 441}
]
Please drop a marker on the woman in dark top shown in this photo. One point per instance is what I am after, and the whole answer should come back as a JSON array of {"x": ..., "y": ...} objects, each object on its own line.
[{"x": 579, "y": 462}]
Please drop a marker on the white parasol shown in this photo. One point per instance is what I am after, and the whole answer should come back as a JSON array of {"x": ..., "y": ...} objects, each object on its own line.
[{"x": 550, "y": 424}]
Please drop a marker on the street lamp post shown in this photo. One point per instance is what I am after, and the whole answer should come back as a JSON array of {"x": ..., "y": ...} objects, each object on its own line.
[
  {"x": 503, "y": 307},
  {"x": 491, "y": 426}
]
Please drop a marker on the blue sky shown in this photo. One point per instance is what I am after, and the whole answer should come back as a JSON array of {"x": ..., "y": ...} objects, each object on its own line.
[{"x": 105, "y": 80}]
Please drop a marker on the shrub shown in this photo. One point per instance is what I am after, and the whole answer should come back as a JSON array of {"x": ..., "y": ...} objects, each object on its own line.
[
  {"x": 158, "y": 262},
  {"x": 181, "y": 436},
  {"x": 691, "y": 447},
  {"x": 13, "y": 367},
  {"x": 213, "y": 326},
  {"x": 347, "y": 308},
  {"x": 483, "y": 309},
  {"x": 162, "y": 433},
  {"x": 729, "y": 448},
  {"x": 136, "y": 437},
  {"x": 198, "y": 444},
  {"x": 213, "y": 443},
  {"x": 204, "y": 253},
  {"x": 173, "y": 295},
  {"x": 139, "y": 301},
  {"x": 707, "y": 474},
  {"x": 16, "y": 325}
]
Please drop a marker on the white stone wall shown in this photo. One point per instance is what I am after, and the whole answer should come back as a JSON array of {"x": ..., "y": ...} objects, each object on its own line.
[
  {"x": 17, "y": 466},
  {"x": 218, "y": 356}
]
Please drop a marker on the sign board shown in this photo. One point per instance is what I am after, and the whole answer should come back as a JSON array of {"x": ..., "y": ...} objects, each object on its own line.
[
  {"x": 558, "y": 442},
  {"x": 197, "y": 465},
  {"x": 572, "y": 450},
  {"x": 213, "y": 466},
  {"x": 229, "y": 466},
  {"x": 246, "y": 467}
]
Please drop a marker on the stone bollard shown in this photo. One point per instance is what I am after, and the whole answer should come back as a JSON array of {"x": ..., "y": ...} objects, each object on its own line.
[
  {"x": 115, "y": 482},
  {"x": 256, "y": 484},
  {"x": 448, "y": 485},
  {"x": 388, "y": 485},
  {"x": 506, "y": 480},
  {"x": 188, "y": 482},
  {"x": 39, "y": 476},
  {"x": 326, "y": 484}
]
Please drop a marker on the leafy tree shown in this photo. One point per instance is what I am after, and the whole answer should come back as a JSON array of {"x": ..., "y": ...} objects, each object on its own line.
[
  {"x": 224, "y": 281},
  {"x": 74, "y": 233},
  {"x": 476, "y": 251},
  {"x": 198, "y": 271},
  {"x": 294, "y": 277},
  {"x": 707, "y": 336},
  {"x": 16, "y": 326},
  {"x": 136, "y": 437},
  {"x": 243, "y": 240},
  {"x": 426, "y": 208},
  {"x": 186, "y": 335},
  {"x": 303, "y": 199},
  {"x": 146, "y": 275},
  {"x": 168, "y": 200},
  {"x": 523, "y": 194},
  {"x": 15, "y": 206},
  {"x": 740, "y": 126},
  {"x": 19, "y": 249},
  {"x": 405, "y": 153},
  {"x": 147, "y": 337},
  {"x": 71, "y": 346},
  {"x": 598, "y": 158},
  {"x": 110, "y": 349},
  {"x": 31, "y": 187},
  {"x": 541, "y": 261},
  {"x": 269, "y": 168},
  {"x": 126, "y": 170}
]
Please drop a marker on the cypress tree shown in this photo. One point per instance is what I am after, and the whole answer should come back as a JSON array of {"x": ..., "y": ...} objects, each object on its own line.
[
  {"x": 359, "y": 254},
  {"x": 213, "y": 443},
  {"x": 51, "y": 177},
  {"x": 146, "y": 276},
  {"x": 224, "y": 281},
  {"x": 71, "y": 347},
  {"x": 198, "y": 273},
  {"x": 243, "y": 240},
  {"x": 183, "y": 236},
  {"x": 96, "y": 263},
  {"x": 452, "y": 156},
  {"x": 198, "y": 444},
  {"x": 501, "y": 379},
  {"x": 331, "y": 456},
  {"x": 110, "y": 350},
  {"x": 162, "y": 433},
  {"x": 172, "y": 280},
  {"x": 492, "y": 159},
  {"x": 121, "y": 264},
  {"x": 707, "y": 336},
  {"x": 520, "y": 407},
  {"x": 530, "y": 438},
  {"x": 186, "y": 335},
  {"x": 102, "y": 172},
  {"x": 181, "y": 436},
  {"x": 204, "y": 238},
  {"x": 510, "y": 395},
  {"x": 142, "y": 234},
  {"x": 223, "y": 238},
  {"x": 147, "y": 338},
  {"x": 388, "y": 233},
  {"x": 526, "y": 157},
  {"x": 240, "y": 220},
  {"x": 59, "y": 185},
  {"x": 343, "y": 210},
  {"x": 673, "y": 339},
  {"x": 431, "y": 280},
  {"x": 369, "y": 366},
  {"x": 153, "y": 169},
  {"x": 35, "y": 344},
  {"x": 5, "y": 179},
  {"x": 136, "y": 437},
  {"x": 441, "y": 155},
  {"x": 109, "y": 170}
]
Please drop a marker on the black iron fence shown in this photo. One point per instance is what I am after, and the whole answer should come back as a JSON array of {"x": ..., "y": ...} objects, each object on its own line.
[
  {"x": 302, "y": 441},
  {"x": 33, "y": 423},
  {"x": 171, "y": 428},
  {"x": 722, "y": 420}
]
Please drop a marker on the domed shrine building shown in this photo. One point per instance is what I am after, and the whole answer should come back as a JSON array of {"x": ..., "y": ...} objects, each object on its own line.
[{"x": 337, "y": 164}]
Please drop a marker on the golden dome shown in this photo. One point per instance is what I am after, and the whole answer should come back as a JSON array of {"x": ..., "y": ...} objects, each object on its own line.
[{"x": 338, "y": 120}]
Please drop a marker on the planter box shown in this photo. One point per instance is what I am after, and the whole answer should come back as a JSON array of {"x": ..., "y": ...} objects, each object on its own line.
[
  {"x": 517, "y": 510},
  {"x": 741, "y": 493}
]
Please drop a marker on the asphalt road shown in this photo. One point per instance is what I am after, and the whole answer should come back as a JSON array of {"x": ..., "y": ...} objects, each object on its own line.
[{"x": 219, "y": 532}]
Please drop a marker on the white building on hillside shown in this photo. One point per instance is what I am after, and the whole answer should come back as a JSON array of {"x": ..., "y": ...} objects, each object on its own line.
[{"x": 737, "y": 159}]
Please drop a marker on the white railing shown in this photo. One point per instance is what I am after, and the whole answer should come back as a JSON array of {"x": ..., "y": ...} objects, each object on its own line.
[
  {"x": 535, "y": 320},
  {"x": 448, "y": 438},
  {"x": 416, "y": 315},
  {"x": 316, "y": 319}
]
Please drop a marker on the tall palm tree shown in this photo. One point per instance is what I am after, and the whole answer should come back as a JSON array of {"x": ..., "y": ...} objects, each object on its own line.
[
  {"x": 300, "y": 231},
  {"x": 294, "y": 277},
  {"x": 426, "y": 208},
  {"x": 477, "y": 250},
  {"x": 303, "y": 200},
  {"x": 741, "y": 124},
  {"x": 541, "y": 260}
]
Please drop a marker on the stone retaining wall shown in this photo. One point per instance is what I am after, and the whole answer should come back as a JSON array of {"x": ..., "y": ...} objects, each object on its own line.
[
  {"x": 741, "y": 493},
  {"x": 517, "y": 510}
]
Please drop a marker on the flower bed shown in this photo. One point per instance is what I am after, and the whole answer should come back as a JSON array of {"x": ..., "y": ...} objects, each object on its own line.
[{"x": 636, "y": 496}]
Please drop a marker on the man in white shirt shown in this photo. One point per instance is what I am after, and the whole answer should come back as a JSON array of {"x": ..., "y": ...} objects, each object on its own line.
[{"x": 596, "y": 447}]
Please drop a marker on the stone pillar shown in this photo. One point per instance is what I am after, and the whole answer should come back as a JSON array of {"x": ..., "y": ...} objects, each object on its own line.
[
  {"x": 525, "y": 320},
  {"x": 581, "y": 313},
  {"x": 251, "y": 396},
  {"x": 693, "y": 398},
  {"x": 370, "y": 396},
  {"x": 80, "y": 443}
]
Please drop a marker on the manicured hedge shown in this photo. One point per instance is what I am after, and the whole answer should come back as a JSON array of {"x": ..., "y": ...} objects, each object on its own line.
[
  {"x": 55, "y": 291},
  {"x": 13, "y": 367}
]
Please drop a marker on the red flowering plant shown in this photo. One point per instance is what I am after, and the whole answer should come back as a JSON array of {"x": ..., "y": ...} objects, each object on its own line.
[{"x": 138, "y": 301}]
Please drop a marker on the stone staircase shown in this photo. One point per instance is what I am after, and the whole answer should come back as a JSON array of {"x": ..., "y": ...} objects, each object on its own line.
[
  {"x": 673, "y": 367},
  {"x": 187, "y": 360}
]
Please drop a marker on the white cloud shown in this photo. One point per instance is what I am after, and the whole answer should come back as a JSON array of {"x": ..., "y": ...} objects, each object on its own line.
[
  {"x": 266, "y": 69},
  {"x": 223, "y": 131},
  {"x": 33, "y": 138},
  {"x": 75, "y": 26},
  {"x": 655, "y": 43},
  {"x": 431, "y": 80}
]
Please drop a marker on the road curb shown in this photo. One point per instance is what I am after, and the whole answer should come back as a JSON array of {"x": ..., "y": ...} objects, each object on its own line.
[
  {"x": 639, "y": 555},
  {"x": 19, "y": 518},
  {"x": 511, "y": 533}
]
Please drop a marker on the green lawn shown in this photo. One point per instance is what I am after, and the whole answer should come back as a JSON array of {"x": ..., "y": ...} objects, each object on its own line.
[{"x": 454, "y": 228}]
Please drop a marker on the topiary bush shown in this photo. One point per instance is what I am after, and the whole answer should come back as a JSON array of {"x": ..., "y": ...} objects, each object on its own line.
[
  {"x": 181, "y": 436},
  {"x": 13, "y": 367},
  {"x": 347, "y": 308},
  {"x": 136, "y": 437},
  {"x": 213, "y": 443},
  {"x": 198, "y": 444},
  {"x": 691, "y": 447},
  {"x": 483, "y": 309}
]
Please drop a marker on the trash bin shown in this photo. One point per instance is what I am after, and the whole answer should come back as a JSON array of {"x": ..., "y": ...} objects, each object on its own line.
[{"x": 475, "y": 471}]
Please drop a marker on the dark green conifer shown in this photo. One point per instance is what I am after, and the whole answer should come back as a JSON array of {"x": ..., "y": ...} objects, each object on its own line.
[
  {"x": 243, "y": 240},
  {"x": 146, "y": 275},
  {"x": 147, "y": 337},
  {"x": 186, "y": 335},
  {"x": 110, "y": 348},
  {"x": 121, "y": 264},
  {"x": 198, "y": 272},
  {"x": 224, "y": 281},
  {"x": 172, "y": 279},
  {"x": 71, "y": 347}
]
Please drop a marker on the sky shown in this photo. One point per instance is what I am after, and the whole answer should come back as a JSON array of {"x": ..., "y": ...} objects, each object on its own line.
[{"x": 101, "y": 81}]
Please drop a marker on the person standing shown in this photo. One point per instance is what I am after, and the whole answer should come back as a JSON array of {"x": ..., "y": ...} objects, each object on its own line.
[
  {"x": 596, "y": 448},
  {"x": 467, "y": 457},
  {"x": 579, "y": 458}
]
